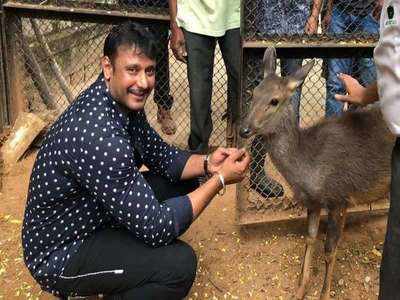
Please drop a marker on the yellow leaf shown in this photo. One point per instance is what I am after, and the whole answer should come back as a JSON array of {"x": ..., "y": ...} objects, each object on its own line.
[
  {"x": 15, "y": 221},
  {"x": 376, "y": 253}
]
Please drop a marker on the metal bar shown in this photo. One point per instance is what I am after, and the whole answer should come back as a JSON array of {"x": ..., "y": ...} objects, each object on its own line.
[
  {"x": 252, "y": 218},
  {"x": 308, "y": 44},
  {"x": 313, "y": 52},
  {"x": 78, "y": 14}
]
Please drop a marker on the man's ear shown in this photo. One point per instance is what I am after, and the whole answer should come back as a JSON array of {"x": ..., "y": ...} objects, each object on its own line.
[{"x": 107, "y": 67}]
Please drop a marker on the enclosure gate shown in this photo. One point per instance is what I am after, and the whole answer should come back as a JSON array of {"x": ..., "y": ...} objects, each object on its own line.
[
  {"x": 52, "y": 52},
  {"x": 281, "y": 24}
]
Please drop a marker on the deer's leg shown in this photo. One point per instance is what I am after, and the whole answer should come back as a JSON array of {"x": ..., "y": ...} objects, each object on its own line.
[
  {"x": 313, "y": 217},
  {"x": 336, "y": 220}
]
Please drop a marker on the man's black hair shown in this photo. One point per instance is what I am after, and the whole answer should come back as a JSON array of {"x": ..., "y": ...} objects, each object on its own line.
[{"x": 133, "y": 35}]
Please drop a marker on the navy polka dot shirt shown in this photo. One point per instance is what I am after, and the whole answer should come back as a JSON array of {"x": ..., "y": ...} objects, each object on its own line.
[{"x": 86, "y": 177}]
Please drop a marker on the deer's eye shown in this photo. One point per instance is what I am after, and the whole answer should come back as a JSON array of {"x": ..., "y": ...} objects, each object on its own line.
[{"x": 274, "y": 102}]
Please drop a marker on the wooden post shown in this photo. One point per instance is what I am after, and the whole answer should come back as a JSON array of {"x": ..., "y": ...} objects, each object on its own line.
[
  {"x": 17, "y": 101},
  {"x": 37, "y": 75},
  {"x": 53, "y": 63},
  {"x": 3, "y": 93}
]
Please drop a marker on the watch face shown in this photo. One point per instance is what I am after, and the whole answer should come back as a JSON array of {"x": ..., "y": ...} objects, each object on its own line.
[{"x": 390, "y": 12}]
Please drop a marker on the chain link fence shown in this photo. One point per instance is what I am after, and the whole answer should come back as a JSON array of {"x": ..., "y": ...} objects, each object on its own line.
[
  {"x": 340, "y": 39},
  {"x": 52, "y": 60},
  {"x": 289, "y": 21}
]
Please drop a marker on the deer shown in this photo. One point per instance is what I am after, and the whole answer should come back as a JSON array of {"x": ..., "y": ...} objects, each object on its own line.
[{"x": 334, "y": 164}]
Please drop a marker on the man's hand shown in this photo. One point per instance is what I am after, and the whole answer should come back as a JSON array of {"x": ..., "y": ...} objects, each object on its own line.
[
  {"x": 234, "y": 167},
  {"x": 311, "y": 25},
  {"x": 355, "y": 91},
  {"x": 216, "y": 159},
  {"x": 177, "y": 43}
]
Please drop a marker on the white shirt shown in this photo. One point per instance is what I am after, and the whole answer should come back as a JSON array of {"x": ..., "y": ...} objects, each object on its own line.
[
  {"x": 387, "y": 59},
  {"x": 208, "y": 17}
]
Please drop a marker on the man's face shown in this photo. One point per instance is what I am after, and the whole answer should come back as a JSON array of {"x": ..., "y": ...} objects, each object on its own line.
[{"x": 130, "y": 77}]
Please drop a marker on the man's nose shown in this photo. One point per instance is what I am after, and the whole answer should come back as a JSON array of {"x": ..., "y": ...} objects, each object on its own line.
[{"x": 142, "y": 81}]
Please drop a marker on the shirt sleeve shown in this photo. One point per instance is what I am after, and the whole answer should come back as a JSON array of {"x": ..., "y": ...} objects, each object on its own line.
[
  {"x": 106, "y": 167},
  {"x": 387, "y": 58},
  {"x": 160, "y": 157}
]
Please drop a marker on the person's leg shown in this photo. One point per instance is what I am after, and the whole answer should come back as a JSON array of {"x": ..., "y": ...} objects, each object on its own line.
[
  {"x": 229, "y": 45},
  {"x": 162, "y": 96},
  {"x": 200, "y": 64},
  {"x": 289, "y": 66},
  {"x": 114, "y": 263},
  {"x": 390, "y": 266},
  {"x": 367, "y": 72},
  {"x": 339, "y": 25}
]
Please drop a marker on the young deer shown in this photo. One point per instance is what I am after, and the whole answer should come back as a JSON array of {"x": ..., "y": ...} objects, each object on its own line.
[{"x": 334, "y": 164}]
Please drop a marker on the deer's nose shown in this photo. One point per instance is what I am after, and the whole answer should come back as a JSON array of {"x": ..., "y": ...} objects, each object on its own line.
[{"x": 245, "y": 132}]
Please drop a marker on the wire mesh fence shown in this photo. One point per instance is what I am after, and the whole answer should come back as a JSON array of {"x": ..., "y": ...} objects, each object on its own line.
[
  {"x": 149, "y": 7},
  {"x": 54, "y": 60},
  {"x": 296, "y": 21}
]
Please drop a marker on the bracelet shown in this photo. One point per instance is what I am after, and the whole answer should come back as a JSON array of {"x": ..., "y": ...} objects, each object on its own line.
[
  {"x": 222, "y": 180},
  {"x": 205, "y": 166}
]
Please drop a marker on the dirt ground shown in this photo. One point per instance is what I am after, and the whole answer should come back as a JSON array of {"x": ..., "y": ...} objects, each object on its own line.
[{"x": 252, "y": 262}]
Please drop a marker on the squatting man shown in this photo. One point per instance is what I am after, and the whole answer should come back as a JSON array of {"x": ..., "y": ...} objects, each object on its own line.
[{"x": 95, "y": 224}]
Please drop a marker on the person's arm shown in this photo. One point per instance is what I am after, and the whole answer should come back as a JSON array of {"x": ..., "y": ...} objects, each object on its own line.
[
  {"x": 326, "y": 20},
  {"x": 232, "y": 170},
  {"x": 312, "y": 22},
  {"x": 356, "y": 93},
  {"x": 177, "y": 42}
]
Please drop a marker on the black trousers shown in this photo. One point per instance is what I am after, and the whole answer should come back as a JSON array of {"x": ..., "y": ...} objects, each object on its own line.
[
  {"x": 114, "y": 263},
  {"x": 200, "y": 50},
  {"x": 389, "y": 288}
]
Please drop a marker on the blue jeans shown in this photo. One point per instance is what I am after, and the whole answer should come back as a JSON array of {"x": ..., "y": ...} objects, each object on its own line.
[{"x": 363, "y": 68}]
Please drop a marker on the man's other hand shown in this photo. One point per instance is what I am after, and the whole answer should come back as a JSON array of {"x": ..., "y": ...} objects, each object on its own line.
[{"x": 235, "y": 166}]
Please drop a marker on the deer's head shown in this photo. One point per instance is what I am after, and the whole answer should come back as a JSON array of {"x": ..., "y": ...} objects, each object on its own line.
[{"x": 271, "y": 97}]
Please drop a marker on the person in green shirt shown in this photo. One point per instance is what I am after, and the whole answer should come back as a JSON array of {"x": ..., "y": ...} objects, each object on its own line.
[{"x": 196, "y": 27}]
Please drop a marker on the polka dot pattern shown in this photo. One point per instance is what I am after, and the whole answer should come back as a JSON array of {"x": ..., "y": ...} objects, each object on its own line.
[{"x": 86, "y": 177}]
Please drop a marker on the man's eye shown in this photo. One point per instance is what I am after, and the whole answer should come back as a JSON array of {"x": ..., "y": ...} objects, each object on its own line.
[
  {"x": 150, "y": 72},
  {"x": 132, "y": 70},
  {"x": 274, "y": 102}
]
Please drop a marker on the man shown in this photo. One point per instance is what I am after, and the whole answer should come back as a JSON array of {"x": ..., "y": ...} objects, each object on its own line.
[
  {"x": 387, "y": 90},
  {"x": 93, "y": 222},
  {"x": 196, "y": 27},
  {"x": 162, "y": 96},
  {"x": 344, "y": 17},
  {"x": 281, "y": 18}
]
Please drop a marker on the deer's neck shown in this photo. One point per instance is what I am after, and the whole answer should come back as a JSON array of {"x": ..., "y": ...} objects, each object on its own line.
[{"x": 284, "y": 144}]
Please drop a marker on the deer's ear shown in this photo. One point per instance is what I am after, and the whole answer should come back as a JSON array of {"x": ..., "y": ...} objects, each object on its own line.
[
  {"x": 269, "y": 61},
  {"x": 297, "y": 78}
]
